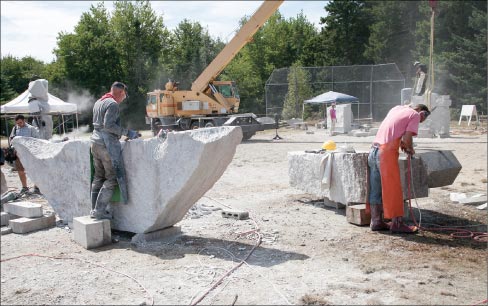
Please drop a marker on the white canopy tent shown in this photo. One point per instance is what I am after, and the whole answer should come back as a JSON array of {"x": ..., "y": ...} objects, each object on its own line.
[
  {"x": 36, "y": 101},
  {"x": 329, "y": 98}
]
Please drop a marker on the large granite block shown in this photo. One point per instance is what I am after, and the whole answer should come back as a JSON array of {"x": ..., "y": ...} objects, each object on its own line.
[
  {"x": 165, "y": 177},
  {"x": 348, "y": 177},
  {"x": 442, "y": 167},
  {"x": 349, "y": 171}
]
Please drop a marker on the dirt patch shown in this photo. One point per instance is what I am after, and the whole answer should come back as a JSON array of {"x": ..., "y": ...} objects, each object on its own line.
[{"x": 309, "y": 254}]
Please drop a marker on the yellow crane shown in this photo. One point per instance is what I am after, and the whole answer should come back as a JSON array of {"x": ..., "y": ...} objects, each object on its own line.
[{"x": 209, "y": 102}]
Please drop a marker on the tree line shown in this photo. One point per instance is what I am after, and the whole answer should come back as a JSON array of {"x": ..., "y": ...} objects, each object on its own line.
[{"x": 133, "y": 45}]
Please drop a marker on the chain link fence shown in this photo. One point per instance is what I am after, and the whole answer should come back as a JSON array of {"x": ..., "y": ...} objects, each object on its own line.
[{"x": 377, "y": 87}]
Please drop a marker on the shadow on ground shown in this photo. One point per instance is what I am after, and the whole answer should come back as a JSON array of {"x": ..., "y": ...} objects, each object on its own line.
[{"x": 179, "y": 246}]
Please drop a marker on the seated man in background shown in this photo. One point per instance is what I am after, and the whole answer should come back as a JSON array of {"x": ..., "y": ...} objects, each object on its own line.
[{"x": 24, "y": 129}]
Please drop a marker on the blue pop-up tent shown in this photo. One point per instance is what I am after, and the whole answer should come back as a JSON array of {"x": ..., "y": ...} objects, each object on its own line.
[{"x": 331, "y": 97}]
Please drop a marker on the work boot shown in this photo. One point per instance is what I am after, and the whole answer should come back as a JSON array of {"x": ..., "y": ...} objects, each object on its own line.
[
  {"x": 377, "y": 223},
  {"x": 103, "y": 200},
  {"x": 398, "y": 226}
]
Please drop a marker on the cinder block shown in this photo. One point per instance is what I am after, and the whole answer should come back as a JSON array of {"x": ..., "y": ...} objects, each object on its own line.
[
  {"x": 5, "y": 218},
  {"x": 91, "y": 233},
  {"x": 6, "y": 230},
  {"x": 442, "y": 167},
  {"x": 26, "y": 225},
  {"x": 356, "y": 214},
  {"x": 24, "y": 209},
  {"x": 236, "y": 214}
]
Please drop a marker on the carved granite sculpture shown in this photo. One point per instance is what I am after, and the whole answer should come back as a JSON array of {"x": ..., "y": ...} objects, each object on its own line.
[{"x": 165, "y": 177}]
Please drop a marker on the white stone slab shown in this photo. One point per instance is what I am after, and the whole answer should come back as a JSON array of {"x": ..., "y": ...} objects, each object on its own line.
[
  {"x": 24, "y": 209},
  {"x": 91, "y": 233},
  {"x": 165, "y": 178},
  {"x": 27, "y": 225}
]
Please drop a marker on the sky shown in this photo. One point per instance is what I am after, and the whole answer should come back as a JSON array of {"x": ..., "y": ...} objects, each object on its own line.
[{"x": 30, "y": 28}]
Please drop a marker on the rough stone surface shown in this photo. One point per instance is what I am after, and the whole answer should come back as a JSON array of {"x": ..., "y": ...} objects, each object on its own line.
[
  {"x": 24, "y": 209},
  {"x": 91, "y": 233},
  {"x": 349, "y": 170},
  {"x": 348, "y": 179},
  {"x": 442, "y": 167},
  {"x": 165, "y": 178},
  {"x": 5, "y": 217},
  {"x": 27, "y": 225},
  {"x": 419, "y": 188}
]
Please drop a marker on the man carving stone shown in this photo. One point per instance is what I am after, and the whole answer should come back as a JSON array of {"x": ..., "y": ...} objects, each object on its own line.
[
  {"x": 106, "y": 151},
  {"x": 385, "y": 187}
]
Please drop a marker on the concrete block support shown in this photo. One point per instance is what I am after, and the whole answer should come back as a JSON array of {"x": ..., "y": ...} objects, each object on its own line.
[
  {"x": 91, "y": 233},
  {"x": 24, "y": 209},
  {"x": 26, "y": 225},
  {"x": 356, "y": 214}
]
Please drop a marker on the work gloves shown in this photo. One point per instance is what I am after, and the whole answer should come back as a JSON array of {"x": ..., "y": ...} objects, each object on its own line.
[{"x": 131, "y": 134}]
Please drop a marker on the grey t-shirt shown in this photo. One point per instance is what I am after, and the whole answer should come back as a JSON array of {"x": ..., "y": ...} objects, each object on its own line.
[{"x": 106, "y": 120}]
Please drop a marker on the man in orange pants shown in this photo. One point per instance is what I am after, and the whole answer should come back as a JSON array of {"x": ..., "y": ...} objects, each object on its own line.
[{"x": 385, "y": 188}]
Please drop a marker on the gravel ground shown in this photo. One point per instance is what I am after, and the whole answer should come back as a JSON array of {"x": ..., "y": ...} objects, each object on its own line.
[{"x": 309, "y": 254}]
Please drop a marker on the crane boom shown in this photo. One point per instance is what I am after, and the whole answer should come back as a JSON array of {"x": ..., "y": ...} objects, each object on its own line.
[{"x": 243, "y": 36}]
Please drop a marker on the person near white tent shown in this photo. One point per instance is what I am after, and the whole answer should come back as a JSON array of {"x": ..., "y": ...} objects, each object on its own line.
[
  {"x": 333, "y": 118},
  {"x": 23, "y": 129}
]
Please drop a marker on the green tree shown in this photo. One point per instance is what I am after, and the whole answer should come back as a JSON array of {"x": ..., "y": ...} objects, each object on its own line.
[
  {"x": 393, "y": 37},
  {"x": 88, "y": 58},
  {"x": 344, "y": 34},
  {"x": 279, "y": 43},
  {"x": 139, "y": 35},
  {"x": 191, "y": 50},
  {"x": 460, "y": 43},
  {"x": 298, "y": 90},
  {"x": 16, "y": 73}
]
